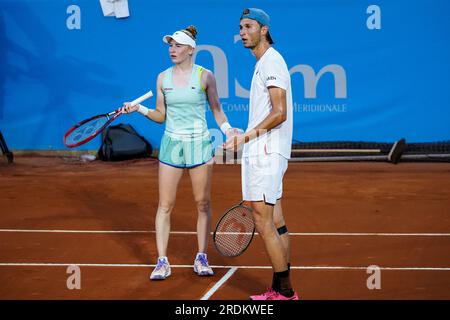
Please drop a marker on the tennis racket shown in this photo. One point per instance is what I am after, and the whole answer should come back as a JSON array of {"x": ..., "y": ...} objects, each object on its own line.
[
  {"x": 234, "y": 231},
  {"x": 88, "y": 129}
]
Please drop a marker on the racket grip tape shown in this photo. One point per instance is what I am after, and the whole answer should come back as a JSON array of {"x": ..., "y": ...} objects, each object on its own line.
[{"x": 141, "y": 98}]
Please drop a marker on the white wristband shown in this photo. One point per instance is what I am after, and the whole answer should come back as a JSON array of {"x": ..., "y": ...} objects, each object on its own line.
[
  {"x": 224, "y": 127},
  {"x": 142, "y": 110}
]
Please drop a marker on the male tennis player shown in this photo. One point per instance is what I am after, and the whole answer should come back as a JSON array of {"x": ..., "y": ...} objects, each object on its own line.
[{"x": 267, "y": 147}]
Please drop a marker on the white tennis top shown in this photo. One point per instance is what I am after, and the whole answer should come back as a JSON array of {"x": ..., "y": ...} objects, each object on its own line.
[{"x": 270, "y": 70}]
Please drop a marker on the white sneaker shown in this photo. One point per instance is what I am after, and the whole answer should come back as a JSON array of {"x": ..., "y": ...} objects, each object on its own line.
[
  {"x": 201, "y": 266},
  {"x": 162, "y": 269}
]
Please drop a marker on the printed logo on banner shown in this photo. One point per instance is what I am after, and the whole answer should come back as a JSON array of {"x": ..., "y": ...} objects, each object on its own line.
[
  {"x": 310, "y": 76},
  {"x": 311, "y": 80}
]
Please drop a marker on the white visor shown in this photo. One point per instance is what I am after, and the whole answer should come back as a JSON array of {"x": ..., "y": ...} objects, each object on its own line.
[{"x": 181, "y": 38}]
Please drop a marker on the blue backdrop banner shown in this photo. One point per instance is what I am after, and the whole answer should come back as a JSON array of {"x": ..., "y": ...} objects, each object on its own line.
[{"x": 361, "y": 70}]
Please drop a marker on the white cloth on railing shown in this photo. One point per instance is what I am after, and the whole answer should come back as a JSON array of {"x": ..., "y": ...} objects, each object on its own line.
[{"x": 115, "y": 8}]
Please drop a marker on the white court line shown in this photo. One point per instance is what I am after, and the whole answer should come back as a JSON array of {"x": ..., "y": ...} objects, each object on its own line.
[
  {"x": 132, "y": 265},
  {"x": 218, "y": 284},
  {"x": 369, "y": 234}
]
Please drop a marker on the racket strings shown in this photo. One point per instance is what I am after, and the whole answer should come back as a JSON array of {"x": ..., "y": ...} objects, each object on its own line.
[
  {"x": 85, "y": 130},
  {"x": 235, "y": 231}
]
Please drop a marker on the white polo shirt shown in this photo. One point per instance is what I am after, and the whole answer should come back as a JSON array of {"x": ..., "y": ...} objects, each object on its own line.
[{"x": 270, "y": 70}]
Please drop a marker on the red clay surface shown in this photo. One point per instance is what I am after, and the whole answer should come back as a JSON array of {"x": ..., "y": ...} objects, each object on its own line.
[{"x": 38, "y": 193}]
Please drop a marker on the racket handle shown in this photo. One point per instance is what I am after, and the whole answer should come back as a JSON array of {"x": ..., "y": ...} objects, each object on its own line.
[{"x": 141, "y": 98}]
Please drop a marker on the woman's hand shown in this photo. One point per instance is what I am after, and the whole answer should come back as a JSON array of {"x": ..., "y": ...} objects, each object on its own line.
[
  {"x": 127, "y": 108},
  {"x": 232, "y": 132}
]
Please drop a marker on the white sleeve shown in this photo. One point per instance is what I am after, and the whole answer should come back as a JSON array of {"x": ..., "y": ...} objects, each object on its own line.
[{"x": 275, "y": 73}]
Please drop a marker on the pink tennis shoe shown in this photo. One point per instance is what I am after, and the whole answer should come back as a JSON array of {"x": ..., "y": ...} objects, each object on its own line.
[{"x": 273, "y": 295}]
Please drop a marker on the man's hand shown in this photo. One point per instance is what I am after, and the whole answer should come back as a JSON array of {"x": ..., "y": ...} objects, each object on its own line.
[{"x": 235, "y": 142}]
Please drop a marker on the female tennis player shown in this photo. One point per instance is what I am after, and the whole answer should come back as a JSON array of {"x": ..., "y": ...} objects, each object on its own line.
[{"x": 182, "y": 92}]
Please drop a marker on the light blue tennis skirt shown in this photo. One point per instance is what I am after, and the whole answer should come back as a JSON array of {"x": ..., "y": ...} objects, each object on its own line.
[{"x": 185, "y": 152}]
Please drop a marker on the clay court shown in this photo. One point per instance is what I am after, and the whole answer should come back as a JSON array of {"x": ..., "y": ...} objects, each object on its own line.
[{"x": 343, "y": 217}]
